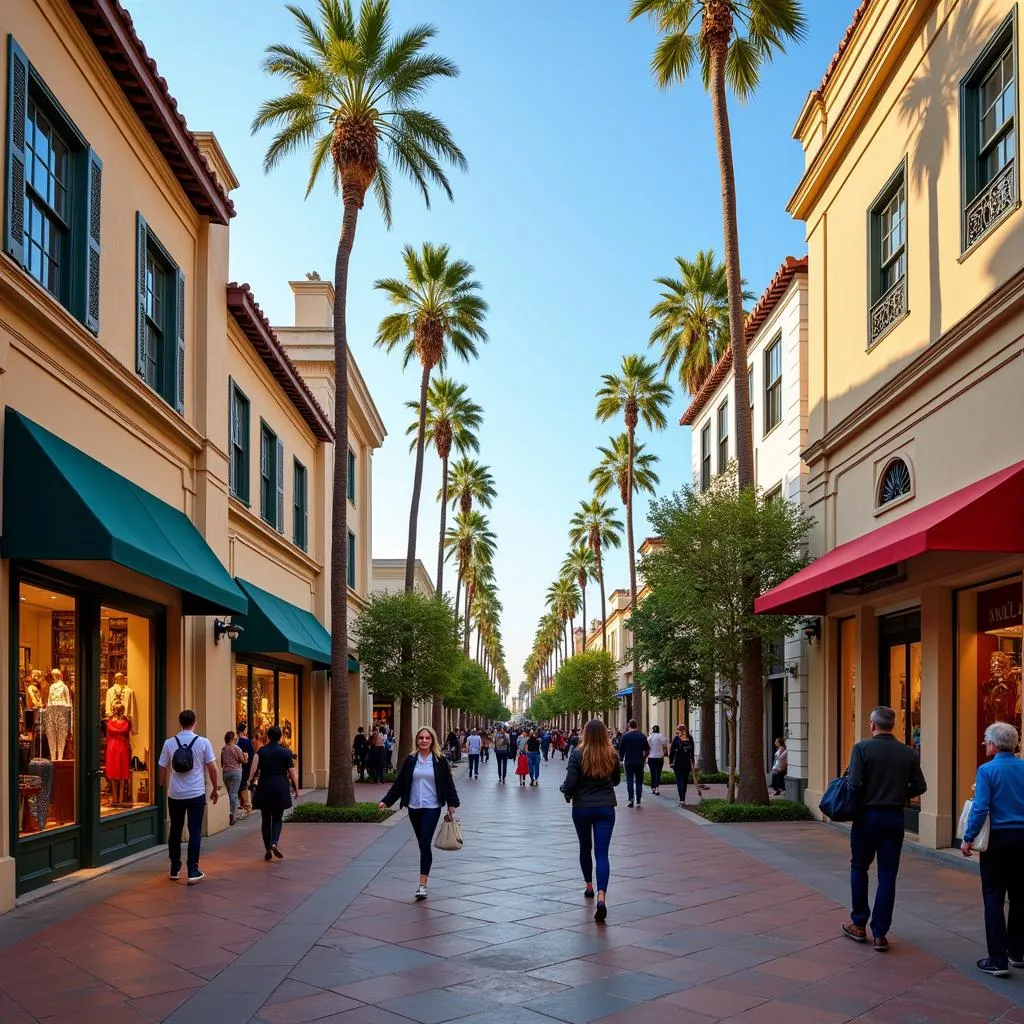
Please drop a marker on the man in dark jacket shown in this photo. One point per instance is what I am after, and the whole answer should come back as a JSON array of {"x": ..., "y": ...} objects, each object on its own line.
[
  {"x": 360, "y": 748},
  {"x": 633, "y": 750},
  {"x": 884, "y": 775}
]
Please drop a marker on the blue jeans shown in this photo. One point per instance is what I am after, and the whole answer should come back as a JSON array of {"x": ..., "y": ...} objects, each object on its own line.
[
  {"x": 232, "y": 780},
  {"x": 501, "y": 757},
  {"x": 533, "y": 761},
  {"x": 424, "y": 822},
  {"x": 876, "y": 832},
  {"x": 1001, "y": 880},
  {"x": 474, "y": 765},
  {"x": 194, "y": 808},
  {"x": 594, "y": 828},
  {"x": 635, "y": 781}
]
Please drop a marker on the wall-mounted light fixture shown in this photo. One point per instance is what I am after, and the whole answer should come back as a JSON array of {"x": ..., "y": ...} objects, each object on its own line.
[
  {"x": 812, "y": 630},
  {"x": 224, "y": 627}
]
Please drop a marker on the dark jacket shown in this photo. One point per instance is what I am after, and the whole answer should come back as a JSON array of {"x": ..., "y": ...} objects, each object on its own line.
[
  {"x": 633, "y": 747},
  {"x": 884, "y": 773},
  {"x": 681, "y": 755},
  {"x": 586, "y": 791},
  {"x": 402, "y": 788}
]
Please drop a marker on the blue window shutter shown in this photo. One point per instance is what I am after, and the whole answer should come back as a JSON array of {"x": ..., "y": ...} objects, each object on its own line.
[
  {"x": 234, "y": 429},
  {"x": 179, "y": 355},
  {"x": 93, "y": 195},
  {"x": 17, "y": 118},
  {"x": 280, "y": 486},
  {"x": 141, "y": 241}
]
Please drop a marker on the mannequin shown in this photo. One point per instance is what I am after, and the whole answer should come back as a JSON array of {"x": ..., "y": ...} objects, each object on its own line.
[
  {"x": 119, "y": 751},
  {"x": 999, "y": 694},
  {"x": 33, "y": 693},
  {"x": 122, "y": 693},
  {"x": 57, "y": 715}
]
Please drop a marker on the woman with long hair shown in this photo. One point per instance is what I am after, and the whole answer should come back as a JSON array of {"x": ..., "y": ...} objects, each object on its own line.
[
  {"x": 424, "y": 785},
  {"x": 591, "y": 776},
  {"x": 680, "y": 760},
  {"x": 274, "y": 769}
]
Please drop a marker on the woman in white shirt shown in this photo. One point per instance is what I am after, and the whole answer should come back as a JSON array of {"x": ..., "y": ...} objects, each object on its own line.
[
  {"x": 424, "y": 785},
  {"x": 656, "y": 757}
]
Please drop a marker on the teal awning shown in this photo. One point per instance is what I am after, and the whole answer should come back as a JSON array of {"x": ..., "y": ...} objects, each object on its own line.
[
  {"x": 274, "y": 626},
  {"x": 353, "y": 665},
  {"x": 60, "y": 504},
  {"x": 626, "y": 692}
]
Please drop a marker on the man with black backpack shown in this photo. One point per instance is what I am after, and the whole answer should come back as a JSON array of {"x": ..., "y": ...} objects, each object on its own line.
[{"x": 185, "y": 761}]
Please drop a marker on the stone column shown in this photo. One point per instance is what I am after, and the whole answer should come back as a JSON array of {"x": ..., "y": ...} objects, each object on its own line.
[{"x": 938, "y": 741}]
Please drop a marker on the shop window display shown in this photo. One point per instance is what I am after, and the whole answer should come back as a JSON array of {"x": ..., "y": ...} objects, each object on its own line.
[
  {"x": 288, "y": 708},
  {"x": 847, "y": 689},
  {"x": 265, "y": 697}
]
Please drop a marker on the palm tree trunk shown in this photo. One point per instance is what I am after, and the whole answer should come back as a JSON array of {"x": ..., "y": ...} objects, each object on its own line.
[
  {"x": 466, "y": 622},
  {"x": 458, "y": 588},
  {"x": 583, "y": 612},
  {"x": 572, "y": 636},
  {"x": 639, "y": 707},
  {"x": 604, "y": 610},
  {"x": 417, "y": 482},
  {"x": 437, "y": 712}
]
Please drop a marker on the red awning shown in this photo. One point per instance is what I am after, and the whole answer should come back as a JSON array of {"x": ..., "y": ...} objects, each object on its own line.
[{"x": 985, "y": 516}]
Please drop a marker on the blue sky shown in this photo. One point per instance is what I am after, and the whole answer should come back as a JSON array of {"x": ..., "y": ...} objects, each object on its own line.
[{"x": 585, "y": 182}]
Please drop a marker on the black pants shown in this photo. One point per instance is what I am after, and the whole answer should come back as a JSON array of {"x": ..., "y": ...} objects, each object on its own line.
[
  {"x": 375, "y": 763},
  {"x": 682, "y": 779},
  {"x": 876, "y": 833},
  {"x": 474, "y": 765},
  {"x": 271, "y": 825},
  {"x": 656, "y": 764},
  {"x": 635, "y": 781},
  {"x": 1001, "y": 879},
  {"x": 360, "y": 763},
  {"x": 194, "y": 808},
  {"x": 424, "y": 822},
  {"x": 502, "y": 758}
]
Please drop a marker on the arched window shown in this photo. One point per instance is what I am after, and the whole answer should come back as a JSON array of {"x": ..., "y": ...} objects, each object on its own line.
[{"x": 896, "y": 482}]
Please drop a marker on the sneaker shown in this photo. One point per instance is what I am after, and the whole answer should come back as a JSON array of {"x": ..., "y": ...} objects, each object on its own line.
[
  {"x": 421, "y": 893},
  {"x": 1016, "y": 961},
  {"x": 990, "y": 966},
  {"x": 854, "y": 931},
  {"x": 880, "y": 944},
  {"x": 630, "y": 804},
  {"x": 682, "y": 803},
  {"x": 195, "y": 876},
  {"x": 602, "y": 911},
  {"x": 589, "y": 893},
  {"x": 175, "y": 873}
]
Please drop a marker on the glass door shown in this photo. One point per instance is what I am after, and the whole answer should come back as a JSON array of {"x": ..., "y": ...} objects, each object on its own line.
[{"x": 901, "y": 686}]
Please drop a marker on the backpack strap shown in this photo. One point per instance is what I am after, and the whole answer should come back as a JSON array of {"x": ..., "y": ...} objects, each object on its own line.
[{"x": 192, "y": 744}]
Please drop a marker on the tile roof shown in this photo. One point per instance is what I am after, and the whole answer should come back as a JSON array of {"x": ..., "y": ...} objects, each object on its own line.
[
  {"x": 111, "y": 29},
  {"x": 256, "y": 327},
  {"x": 791, "y": 266},
  {"x": 841, "y": 49}
]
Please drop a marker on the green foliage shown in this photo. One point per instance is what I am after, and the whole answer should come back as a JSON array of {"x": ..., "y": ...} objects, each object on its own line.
[
  {"x": 544, "y": 706},
  {"x": 452, "y": 418},
  {"x": 635, "y": 390},
  {"x": 706, "y": 778},
  {"x": 586, "y": 683},
  {"x": 408, "y": 645},
  {"x": 470, "y": 690},
  {"x": 366, "y": 813},
  {"x": 389, "y": 777},
  {"x": 612, "y": 472},
  {"x": 723, "y": 813}
]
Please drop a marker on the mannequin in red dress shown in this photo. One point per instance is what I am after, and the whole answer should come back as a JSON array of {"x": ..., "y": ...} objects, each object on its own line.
[{"x": 119, "y": 754}]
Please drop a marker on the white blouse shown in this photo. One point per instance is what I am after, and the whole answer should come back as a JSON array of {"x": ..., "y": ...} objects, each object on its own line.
[{"x": 424, "y": 788}]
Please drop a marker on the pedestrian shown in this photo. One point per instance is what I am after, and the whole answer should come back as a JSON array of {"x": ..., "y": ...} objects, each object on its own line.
[
  {"x": 779, "y": 767},
  {"x": 376, "y": 756},
  {"x": 423, "y": 785},
  {"x": 533, "y": 743},
  {"x": 633, "y": 750},
  {"x": 185, "y": 761},
  {"x": 474, "y": 744},
  {"x": 681, "y": 757},
  {"x": 545, "y": 743},
  {"x": 245, "y": 745},
  {"x": 590, "y": 780},
  {"x": 485, "y": 745},
  {"x": 656, "y": 745},
  {"x": 501, "y": 751},
  {"x": 232, "y": 760},
  {"x": 277, "y": 782},
  {"x": 573, "y": 741},
  {"x": 884, "y": 774},
  {"x": 522, "y": 762},
  {"x": 360, "y": 749},
  {"x": 999, "y": 795},
  {"x": 389, "y": 750}
]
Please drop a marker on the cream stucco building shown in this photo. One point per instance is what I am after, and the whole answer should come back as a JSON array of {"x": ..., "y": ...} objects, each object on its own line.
[{"x": 911, "y": 199}]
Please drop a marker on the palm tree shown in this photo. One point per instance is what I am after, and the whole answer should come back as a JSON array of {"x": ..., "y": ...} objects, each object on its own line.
[
  {"x": 595, "y": 526},
  {"x": 351, "y": 85},
  {"x": 613, "y": 470},
  {"x": 637, "y": 393},
  {"x": 581, "y": 566},
  {"x": 470, "y": 537},
  {"x": 470, "y": 482},
  {"x": 452, "y": 422},
  {"x": 440, "y": 308},
  {"x": 563, "y": 598},
  {"x": 736, "y": 38},
  {"x": 478, "y": 574}
]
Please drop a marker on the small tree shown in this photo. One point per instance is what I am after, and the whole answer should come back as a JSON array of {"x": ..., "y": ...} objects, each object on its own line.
[
  {"x": 585, "y": 684},
  {"x": 408, "y": 647},
  {"x": 722, "y": 549}
]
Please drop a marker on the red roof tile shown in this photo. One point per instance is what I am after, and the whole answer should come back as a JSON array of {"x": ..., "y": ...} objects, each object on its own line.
[
  {"x": 256, "y": 327},
  {"x": 110, "y": 27},
  {"x": 791, "y": 266},
  {"x": 843, "y": 44}
]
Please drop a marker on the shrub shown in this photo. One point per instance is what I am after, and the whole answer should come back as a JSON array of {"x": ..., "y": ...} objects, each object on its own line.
[
  {"x": 389, "y": 777},
  {"x": 361, "y": 812},
  {"x": 724, "y": 813},
  {"x": 706, "y": 778}
]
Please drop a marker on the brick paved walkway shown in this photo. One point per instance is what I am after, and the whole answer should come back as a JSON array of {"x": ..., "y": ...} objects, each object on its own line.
[{"x": 706, "y": 923}]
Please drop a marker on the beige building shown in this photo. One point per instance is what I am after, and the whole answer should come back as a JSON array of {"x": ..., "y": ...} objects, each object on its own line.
[
  {"x": 140, "y": 520},
  {"x": 911, "y": 197}
]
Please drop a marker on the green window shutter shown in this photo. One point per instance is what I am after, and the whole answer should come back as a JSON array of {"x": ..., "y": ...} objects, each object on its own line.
[
  {"x": 305, "y": 512},
  {"x": 93, "y": 194},
  {"x": 234, "y": 429},
  {"x": 17, "y": 116},
  {"x": 179, "y": 340},
  {"x": 245, "y": 454},
  {"x": 141, "y": 241},
  {"x": 279, "y": 460}
]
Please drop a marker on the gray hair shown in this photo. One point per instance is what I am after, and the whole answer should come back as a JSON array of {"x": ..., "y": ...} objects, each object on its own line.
[
  {"x": 884, "y": 718},
  {"x": 1002, "y": 736}
]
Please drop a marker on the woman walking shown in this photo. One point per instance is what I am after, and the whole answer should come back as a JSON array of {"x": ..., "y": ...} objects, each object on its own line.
[
  {"x": 656, "y": 758},
  {"x": 533, "y": 744},
  {"x": 274, "y": 769},
  {"x": 232, "y": 760},
  {"x": 681, "y": 755},
  {"x": 591, "y": 776},
  {"x": 424, "y": 785},
  {"x": 779, "y": 767}
]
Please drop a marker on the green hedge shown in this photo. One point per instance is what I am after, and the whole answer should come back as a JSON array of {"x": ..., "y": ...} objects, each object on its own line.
[
  {"x": 389, "y": 777},
  {"x": 707, "y": 778},
  {"x": 361, "y": 812},
  {"x": 724, "y": 813}
]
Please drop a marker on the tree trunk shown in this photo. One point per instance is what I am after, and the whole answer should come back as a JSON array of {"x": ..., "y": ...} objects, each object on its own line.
[
  {"x": 730, "y": 726},
  {"x": 340, "y": 788},
  {"x": 583, "y": 612},
  {"x": 604, "y": 610},
  {"x": 572, "y": 636},
  {"x": 437, "y": 712},
  {"x": 639, "y": 706},
  {"x": 417, "y": 482},
  {"x": 465, "y": 637},
  {"x": 458, "y": 589},
  {"x": 405, "y": 744},
  {"x": 708, "y": 759},
  {"x": 753, "y": 784}
]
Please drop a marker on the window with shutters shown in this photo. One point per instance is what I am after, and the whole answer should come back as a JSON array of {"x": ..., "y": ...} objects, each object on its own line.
[
  {"x": 238, "y": 443},
  {"x": 52, "y": 193},
  {"x": 300, "y": 508},
  {"x": 705, "y": 457},
  {"x": 350, "y": 569},
  {"x": 160, "y": 318},
  {"x": 271, "y": 478},
  {"x": 887, "y": 241},
  {"x": 723, "y": 436},
  {"x": 773, "y": 385},
  {"x": 351, "y": 476}
]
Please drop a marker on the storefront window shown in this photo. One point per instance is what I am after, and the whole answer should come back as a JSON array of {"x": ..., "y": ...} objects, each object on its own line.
[
  {"x": 847, "y": 689},
  {"x": 242, "y": 694},
  {"x": 989, "y": 633},
  {"x": 288, "y": 709},
  {"x": 126, "y": 712},
  {"x": 900, "y": 665},
  {"x": 47, "y": 724},
  {"x": 264, "y": 706},
  {"x": 266, "y": 697}
]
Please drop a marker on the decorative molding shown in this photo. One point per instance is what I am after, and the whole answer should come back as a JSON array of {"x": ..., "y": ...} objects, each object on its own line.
[
  {"x": 994, "y": 202},
  {"x": 889, "y": 310}
]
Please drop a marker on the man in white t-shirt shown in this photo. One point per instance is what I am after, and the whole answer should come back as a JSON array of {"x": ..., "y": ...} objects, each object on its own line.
[
  {"x": 656, "y": 757},
  {"x": 473, "y": 744},
  {"x": 185, "y": 761}
]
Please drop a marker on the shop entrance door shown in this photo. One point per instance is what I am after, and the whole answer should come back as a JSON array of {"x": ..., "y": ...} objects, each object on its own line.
[
  {"x": 775, "y": 717},
  {"x": 900, "y": 686}
]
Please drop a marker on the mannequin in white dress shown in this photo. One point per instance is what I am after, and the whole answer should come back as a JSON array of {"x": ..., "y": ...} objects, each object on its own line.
[{"x": 57, "y": 715}]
